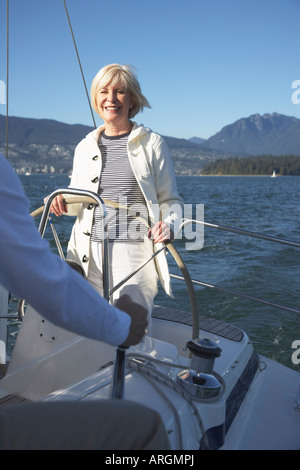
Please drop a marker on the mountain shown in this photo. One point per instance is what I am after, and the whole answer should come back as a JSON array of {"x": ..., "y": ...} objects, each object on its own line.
[
  {"x": 197, "y": 140},
  {"x": 47, "y": 146},
  {"x": 274, "y": 134},
  {"x": 27, "y": 131},
  {"x": 40, "y": 145}
]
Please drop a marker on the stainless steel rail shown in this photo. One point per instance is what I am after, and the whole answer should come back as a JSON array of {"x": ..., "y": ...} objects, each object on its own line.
[
  {"x": 242, "y": 232},
  {"x": 100, "y": 202},
  {"x": 291, "y": 243},
  {"x": 240, "y": 294}
]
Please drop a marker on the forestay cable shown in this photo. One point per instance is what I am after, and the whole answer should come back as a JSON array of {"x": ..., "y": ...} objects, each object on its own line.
[
  {"x": 7, "y": 75},
  {"x": 78, "y": 58}
]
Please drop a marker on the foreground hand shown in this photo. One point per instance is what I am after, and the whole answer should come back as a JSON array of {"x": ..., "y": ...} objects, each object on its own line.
[
  {"x": 58, "y": 206},
  {"x": 161, "y": 232},
  {"x": 138, "y": 316}
]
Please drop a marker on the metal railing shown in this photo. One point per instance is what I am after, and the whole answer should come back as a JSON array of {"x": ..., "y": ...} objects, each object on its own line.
[
  {"x": 248, "y": 233},
  {"x": 97, "y": 199}
]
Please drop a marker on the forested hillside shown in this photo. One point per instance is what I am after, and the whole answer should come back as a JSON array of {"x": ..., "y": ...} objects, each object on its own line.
[{"x": 264, "y": 165}]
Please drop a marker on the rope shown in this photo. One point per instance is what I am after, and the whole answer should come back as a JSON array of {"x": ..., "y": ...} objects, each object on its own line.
[
  {"x": 147, "y": 370},
  {"x": 7, "y": 75},
  {"x": 78, "y": 58},
  {"x": 243, "y": 232}
]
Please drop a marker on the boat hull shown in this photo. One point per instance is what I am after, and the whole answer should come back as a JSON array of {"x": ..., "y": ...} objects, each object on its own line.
[{"x": 257, "y": 406}]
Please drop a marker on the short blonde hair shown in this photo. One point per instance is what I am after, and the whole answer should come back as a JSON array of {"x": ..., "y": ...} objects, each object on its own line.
[{"x": 115, "y": 73}]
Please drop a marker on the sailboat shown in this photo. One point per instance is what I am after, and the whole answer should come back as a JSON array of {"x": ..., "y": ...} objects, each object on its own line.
[
  {"x": 274, "y": 175},
  {"x": 203, "y": 376}
]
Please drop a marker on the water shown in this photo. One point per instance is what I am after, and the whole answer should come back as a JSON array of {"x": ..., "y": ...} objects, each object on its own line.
[{"x": 256, "y": 267}]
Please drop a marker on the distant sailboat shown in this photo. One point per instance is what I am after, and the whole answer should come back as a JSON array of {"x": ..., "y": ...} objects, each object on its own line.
[{"x": 273, "y": 174}]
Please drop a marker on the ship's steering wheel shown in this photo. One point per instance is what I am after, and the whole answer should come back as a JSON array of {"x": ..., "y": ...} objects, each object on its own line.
[{"x": 170, "y": 247}]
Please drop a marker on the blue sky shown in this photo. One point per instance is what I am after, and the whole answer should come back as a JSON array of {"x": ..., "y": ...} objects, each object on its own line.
[{"x": 202, "y": 64}]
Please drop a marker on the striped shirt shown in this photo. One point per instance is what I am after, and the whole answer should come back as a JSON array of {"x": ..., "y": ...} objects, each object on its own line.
[{"x": 118, "y": 183}]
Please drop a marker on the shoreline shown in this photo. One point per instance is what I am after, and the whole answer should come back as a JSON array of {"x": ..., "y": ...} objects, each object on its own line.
[{"x": 189, "y": 176}]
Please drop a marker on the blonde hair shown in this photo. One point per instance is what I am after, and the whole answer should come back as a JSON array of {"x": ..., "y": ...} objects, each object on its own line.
[{"x": 113, "y": 74}]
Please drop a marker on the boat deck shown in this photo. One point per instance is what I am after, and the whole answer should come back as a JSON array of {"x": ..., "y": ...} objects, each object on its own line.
[
  {"x": 12, "y": 400},
  {"x": 211, "y": 325},
  {"x": 208, "y": 324}
]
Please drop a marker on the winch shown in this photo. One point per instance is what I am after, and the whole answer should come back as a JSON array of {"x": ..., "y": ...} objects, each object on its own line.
[{"x": 200, "y": 380}]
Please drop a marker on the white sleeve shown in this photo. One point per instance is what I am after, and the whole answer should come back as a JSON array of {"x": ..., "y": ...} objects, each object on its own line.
[{"x": 29, "y": 270}]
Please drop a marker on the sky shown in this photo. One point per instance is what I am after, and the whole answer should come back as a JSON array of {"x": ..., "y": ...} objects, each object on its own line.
[{"x": 202, "y": 64}]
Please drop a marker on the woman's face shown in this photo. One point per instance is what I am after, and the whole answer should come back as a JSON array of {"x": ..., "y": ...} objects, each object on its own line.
[{"x": 114, "y": 103}]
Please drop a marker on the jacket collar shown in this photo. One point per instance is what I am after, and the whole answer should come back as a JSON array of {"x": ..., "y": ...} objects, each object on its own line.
[{"x": 137, "y": 131}]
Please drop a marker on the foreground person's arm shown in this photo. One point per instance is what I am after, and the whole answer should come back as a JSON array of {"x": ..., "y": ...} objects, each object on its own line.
[{"x": 29, "y": 270}]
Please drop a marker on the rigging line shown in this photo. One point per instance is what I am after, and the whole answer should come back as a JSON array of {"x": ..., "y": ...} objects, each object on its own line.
[
  {"x": 78, "y": 58},
  {"x": 240, "y": 294},
  {"x": 7, "y": 76},
  {"x": 241, "y": 232}
]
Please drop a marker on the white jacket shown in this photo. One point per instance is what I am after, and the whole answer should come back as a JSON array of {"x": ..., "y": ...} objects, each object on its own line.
[{"x": 153, "y": 168}]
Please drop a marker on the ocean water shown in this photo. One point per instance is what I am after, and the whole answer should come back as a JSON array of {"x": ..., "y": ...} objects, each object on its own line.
[{"x": 255, "y": 267}]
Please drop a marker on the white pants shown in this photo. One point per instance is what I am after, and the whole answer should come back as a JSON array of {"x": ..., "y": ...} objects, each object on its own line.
[{"x": 123, "y": 259}]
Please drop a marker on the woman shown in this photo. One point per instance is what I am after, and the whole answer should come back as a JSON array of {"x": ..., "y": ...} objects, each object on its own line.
[{"x": 129, "y": 164}]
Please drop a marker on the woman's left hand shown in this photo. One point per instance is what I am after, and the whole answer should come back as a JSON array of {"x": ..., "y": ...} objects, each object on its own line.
[{"x": 161, "y": 233}]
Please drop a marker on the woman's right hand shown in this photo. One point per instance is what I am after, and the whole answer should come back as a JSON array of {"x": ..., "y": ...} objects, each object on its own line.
[{"x": 58, "y": 206}]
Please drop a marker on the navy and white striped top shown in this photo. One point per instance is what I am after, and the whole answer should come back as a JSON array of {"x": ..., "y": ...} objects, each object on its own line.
[{"x": 118, "y": 183}]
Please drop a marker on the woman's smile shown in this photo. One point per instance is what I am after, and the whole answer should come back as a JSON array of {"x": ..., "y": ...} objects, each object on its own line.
[{"x": 114, "y": 103}]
